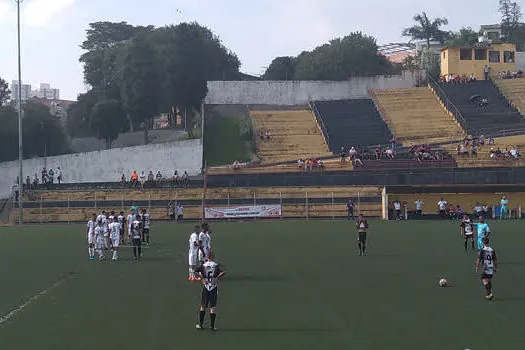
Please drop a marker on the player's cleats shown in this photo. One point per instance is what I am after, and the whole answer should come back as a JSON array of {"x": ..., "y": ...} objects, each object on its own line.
[
  {"x": 489, "y": 297},
  {"x": 213, "y": 329},
  {"x": 198, "y": 326}
]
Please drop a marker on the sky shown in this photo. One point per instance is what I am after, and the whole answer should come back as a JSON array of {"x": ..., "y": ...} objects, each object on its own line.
[{"x": 257, "y": 30}]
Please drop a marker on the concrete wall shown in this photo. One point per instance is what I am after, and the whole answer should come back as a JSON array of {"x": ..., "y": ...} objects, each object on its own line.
[
  {"x": 109, "y": 165},
  {"x": 520, "y": 61},
  {"x": 301, "y": 92}
]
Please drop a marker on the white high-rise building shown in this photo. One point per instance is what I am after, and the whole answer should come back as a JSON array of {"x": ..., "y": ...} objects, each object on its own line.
[
  {"x": 46, "y": 92},
  {"x": 26, "y": 91}
]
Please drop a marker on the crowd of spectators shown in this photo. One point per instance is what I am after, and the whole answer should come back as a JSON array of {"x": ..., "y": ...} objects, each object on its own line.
[
  {"x": 470, "y": 148},
  {"x": 151, "y": 180}
]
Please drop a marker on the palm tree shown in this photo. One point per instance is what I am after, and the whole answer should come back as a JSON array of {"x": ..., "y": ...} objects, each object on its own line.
[{"x": 425, "y": 29}]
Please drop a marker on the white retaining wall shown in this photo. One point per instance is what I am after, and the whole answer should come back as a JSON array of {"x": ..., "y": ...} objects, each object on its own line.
[
  {"x": 301, "y": 92},
  {"x": 109, "y": 165},
  {"x": 520, "y": 61}
]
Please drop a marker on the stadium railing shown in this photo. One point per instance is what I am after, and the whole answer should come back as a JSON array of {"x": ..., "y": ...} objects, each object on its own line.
[{"x": 449, "y": 106}]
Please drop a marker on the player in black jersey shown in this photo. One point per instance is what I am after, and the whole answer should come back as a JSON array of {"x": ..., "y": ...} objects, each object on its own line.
[
  {"x": 362, "y": 228},
  {"x": 467, "y": 231},
  {"x": 210, "y": 272}
]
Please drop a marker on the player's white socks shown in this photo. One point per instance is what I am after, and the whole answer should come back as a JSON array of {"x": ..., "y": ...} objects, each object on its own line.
[
  {"x": 91, "y": 252},
  {"x": 115, "y": 255},
  {"x": 192, "y": 274},
  {"x": 100, "y": 255}
]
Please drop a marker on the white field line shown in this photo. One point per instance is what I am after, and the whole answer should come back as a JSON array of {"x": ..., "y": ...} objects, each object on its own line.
[{"x": 14, "y": 312}]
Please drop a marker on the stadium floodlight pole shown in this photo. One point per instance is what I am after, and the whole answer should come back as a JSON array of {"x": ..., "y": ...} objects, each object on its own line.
[{"x": 20, "y": 145}]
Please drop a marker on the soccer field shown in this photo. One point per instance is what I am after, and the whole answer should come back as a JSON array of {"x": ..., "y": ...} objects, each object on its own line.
[{"x": 290, "y": 285}]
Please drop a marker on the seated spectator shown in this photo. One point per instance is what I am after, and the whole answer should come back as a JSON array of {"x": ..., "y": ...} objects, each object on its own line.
[
  {"x": 150, "y": 176},
  {"x": 134, "y": 178},
  {"x": 267, "y": 134},
  {"x": 342, "y": 154},
  {"x": 514, "y": 153},
  {"x": 452, "y": 212},
  {"x": 463, "y": 151},
  {"x": 308, "y": 164},
  {"x": 379, "y": 152},
  {"x": 158, "y": 177},
  {"x": 185, "y": 178},
  {"x": 389, "y": 153},
  {"x": 491, "y": 141},
  {"x": 28, "y": 182},
  {"x": 464, "y": 78},
  {"x": 142, "y": 178},
  {"x": 315, "y": 163},
  {"x": 321, "y": 164},
  {"x": 261, "y": 136},
  {"x": 473, "y": 151},
  {"x": 459, "y": 211},
  {"x": 499, "y": 154},
  {"x": 175, "y": 178},
  {"x": 481, "y": 140},
  {"x": 352, "y": 152},
  {"x": 492, "y": 153},
  {"x": 300, "y": 163},
  {"x": 236, "y": 165},
  {"x": 123, "y": 180},
  {"x": 472, "y": 77}
]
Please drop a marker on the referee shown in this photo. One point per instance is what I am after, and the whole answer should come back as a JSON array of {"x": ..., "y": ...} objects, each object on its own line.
[{"x": 362, "y": 227}]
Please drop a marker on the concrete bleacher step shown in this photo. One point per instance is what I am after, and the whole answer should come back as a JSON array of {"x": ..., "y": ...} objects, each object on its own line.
[
  {"x": 415, "y": 116},
  {"x": 514, "y": 91},
  {"x": 294, "y": 134}
]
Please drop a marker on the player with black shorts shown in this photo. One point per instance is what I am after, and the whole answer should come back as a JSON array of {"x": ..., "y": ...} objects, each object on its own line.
[
  {"x": 210, "y": 272},
  {"x": 487, "y": 259},
  {"x": 467, "y": 231},
  {"x": 362, "y": 228},
  {"x": 145, "y": 226}
]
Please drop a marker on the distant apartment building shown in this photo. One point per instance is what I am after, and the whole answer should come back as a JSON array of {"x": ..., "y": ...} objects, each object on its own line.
[
  {"x": 26, "y": 91},
  {"x": 46, "y": 92}
]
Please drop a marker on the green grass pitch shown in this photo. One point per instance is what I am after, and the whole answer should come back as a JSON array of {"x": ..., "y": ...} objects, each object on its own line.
[{"x": 290, "y": 285}]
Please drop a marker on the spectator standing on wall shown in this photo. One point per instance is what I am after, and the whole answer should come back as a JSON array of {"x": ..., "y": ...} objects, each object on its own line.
[
  {"x": 44, "y": 176},
  {"x": 150, "y": 176},
  {"x": 142, "y": 178},
  {"x": 51, "y": 175},
  {"x": 35, "y": 181},
  {"x": 59, "y": 176},
  {"x": 350, "y": 207},
  {"x": 28, "y": 182},
  {"x": 486, "y": 72}
]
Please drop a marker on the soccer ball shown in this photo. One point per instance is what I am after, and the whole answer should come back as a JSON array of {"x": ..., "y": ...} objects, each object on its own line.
[{"x": 443, "y": 282}]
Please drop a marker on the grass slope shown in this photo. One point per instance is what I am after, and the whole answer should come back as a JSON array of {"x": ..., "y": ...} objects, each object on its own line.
[
  {"x": 290, "y": 285},
  {"x": 223, "y": 142}
]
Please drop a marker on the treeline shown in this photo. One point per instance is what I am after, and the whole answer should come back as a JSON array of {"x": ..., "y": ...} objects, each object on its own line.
[{"x": 137, "y": 72}]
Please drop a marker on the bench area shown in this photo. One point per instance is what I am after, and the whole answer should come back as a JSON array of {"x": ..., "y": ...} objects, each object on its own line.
[{"x": 514, "y": 91}]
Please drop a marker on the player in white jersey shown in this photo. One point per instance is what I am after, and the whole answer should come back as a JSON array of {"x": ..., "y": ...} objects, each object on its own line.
[
  {"x": 136, "y": 239},
  {"x": 122, "y": 221},
  {"x": 90, "y": 233},
  {"x": 488, "y": 260},
  {"x": 114, "y": 232},
  {"x": 145, "y": 226},
  {"x": 193, "y": 254},
  {"x": 204, "y": 242},
  {"x": 99, "y": 236},
  {"x": 211, "y": 273},
  {"x": 129, "y": 221}
]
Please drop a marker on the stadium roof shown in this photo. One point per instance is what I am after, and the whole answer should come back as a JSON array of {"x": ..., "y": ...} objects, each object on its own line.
[{"x": 394, "y": 48}]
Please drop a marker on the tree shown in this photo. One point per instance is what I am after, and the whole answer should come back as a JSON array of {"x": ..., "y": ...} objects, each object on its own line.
[
  {"x": 140, "y": 89},
  {"x": 511, "y": 27},
  {"x": 101, "y": 38},
  {"x": 281, "y": 68},
  {"x": 190, "y": 56},
  {"x": 79, "y": 115},
  {"x": 427, "y": 29},
  {"x": 43, "y": 135},
  {"x": 466, "y": 36},
  {"x": 5, "y": 93},
  {"x": 8, "y": 134},
  {"x": 354, "y": 55},
  {"x": 108, "y": 120}
]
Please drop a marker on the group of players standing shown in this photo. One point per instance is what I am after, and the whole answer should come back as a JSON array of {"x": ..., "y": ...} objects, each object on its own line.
[
  {"x": 105, "y": 232},
  {"x": 204, "y": 268},
  {"x": 487, "y": 259}
]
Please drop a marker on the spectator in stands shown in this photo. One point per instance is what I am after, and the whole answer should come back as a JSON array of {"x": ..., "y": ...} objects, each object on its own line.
[
  {"x": 389, "y": 153},
  {"x": 514, "y": 153},
  {"x": 59, "y": 176},
  {"x": 472, "y": 77},
  {"x": 486, "y": 70},
  {"x": 28, "y": 182},
  {"x": 185, "y": 178},
  {"x": 44, "y": 176},
  {"x": 151, "y": 177},
  {"x": 320, "y": 164},
  {"x": 379, "y": 152},
  {"x": 236, "y": 165},
  {"x": 261, "y": 137},
  {"x": 123, "y": 180},
  {"x": 459, "y": 212},
  {"x": 452, "y": 212},
  {"x": 478, "y": 209},
  {"x": 481, "y": 140},
  {"x": 158, "y": 177},
  {"x": 175, "y": 178},
  {"x": 300, "y": 163},
  {"x": 142, "y": 179},
  {"x": 473, "y": 151},
  {"x": 51, "y": 176},
  {"x": 35, "y": 181},
  {"x": 134, "y": 178},
  {"x": 485, "y": 210},
  {"x": 342, "y": 154},
  {"x": 393, "y": 142},
  {"x": 267, "y": 134}
]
